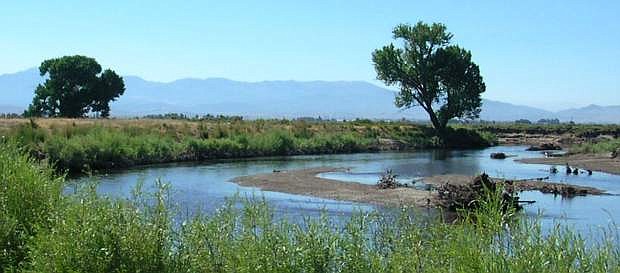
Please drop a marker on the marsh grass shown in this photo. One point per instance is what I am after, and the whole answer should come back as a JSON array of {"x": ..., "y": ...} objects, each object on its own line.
[
  {"x": 90, "y": 145},
  {"x": 45, "y": 231}
]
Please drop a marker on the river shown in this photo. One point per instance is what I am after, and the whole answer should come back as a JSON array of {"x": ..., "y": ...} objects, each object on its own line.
[{"x": 205, "y": 186}]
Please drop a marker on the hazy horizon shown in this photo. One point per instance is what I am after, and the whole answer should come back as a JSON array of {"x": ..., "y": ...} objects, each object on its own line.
[{"x": 552, "y": 55}]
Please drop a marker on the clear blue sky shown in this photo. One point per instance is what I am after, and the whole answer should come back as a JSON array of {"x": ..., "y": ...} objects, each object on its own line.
[{"x": 551, "y": 54}]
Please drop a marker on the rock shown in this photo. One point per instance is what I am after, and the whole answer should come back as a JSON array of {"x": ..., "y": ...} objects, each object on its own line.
[
  {"x": 544, "y": 147},
  {"x": 498, "y": 155}
]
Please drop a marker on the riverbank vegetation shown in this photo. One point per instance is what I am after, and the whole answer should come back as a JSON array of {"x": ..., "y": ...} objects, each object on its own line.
[
  {"x": 43, "y": 230},
  {"x": 82, "y": 145},
  {"x": 578, "y": 130},
  {"x": 606, "y": 146}
]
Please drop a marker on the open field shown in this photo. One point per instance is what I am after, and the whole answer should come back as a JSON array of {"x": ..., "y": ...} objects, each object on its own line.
[{"x": 43, "y": 230}]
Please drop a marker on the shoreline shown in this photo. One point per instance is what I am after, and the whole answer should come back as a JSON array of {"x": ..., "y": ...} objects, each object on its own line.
[
  {"x": 305, "y": 182},
  {"x": 595, "y": 162}
]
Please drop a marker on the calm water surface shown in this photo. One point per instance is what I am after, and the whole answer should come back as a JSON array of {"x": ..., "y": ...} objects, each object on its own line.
[{"x": 206, "y": 186}]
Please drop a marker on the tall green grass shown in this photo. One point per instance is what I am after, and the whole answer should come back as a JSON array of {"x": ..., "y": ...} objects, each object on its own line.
[
  {"x": 44, "y": 231},
  {"x": 607, "y": 146},
  {"x": 85, "y": 147},
  {"x": 30, "y": 197}
]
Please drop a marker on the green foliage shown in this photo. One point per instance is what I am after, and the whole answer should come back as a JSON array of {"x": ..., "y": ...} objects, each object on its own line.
[
  {"x": 88, "y": 233},
  {"x": 467, "y": 138},
  {"x": 75, "y": 86},
  {"x": 94, "y": 234},
  {"x": 84, "y": 145},
  {"x": 606, "y": 146},
  {"x": 431, "y": 73},
  {"x": 29, "y": 198}
]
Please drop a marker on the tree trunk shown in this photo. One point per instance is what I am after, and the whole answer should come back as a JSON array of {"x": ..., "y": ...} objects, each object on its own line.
[{"x": 439, "y": 126}]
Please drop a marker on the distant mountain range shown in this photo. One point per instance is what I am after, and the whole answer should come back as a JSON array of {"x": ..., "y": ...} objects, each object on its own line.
[{"x": 278, "y": 99}]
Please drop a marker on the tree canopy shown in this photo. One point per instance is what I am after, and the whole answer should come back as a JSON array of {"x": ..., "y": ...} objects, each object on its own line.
[
  {"x": 430, "y": 73},
  {"x": 75, "y": 86}
]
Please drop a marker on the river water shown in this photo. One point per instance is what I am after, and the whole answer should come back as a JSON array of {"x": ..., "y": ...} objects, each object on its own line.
[{"x": 205, "y": 187}]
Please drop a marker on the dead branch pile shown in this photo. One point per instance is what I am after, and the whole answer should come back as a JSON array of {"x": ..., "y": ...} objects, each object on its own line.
[
  {"x": 466, "y": 196},
  {"x": 388, "y": 181}
]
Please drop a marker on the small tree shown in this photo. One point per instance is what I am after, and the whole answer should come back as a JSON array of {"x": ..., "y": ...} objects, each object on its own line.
[
  {"x": 75, "y": 87},
  {"x": 431, "y": 73}
]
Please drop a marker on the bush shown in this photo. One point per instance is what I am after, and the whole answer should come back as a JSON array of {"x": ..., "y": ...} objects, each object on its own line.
[
  {"x": 607, "y": 146},
  {"x": 95, "y": 234},
  {"x": 466, "y": 138},
  {"x": 30, "y": 196}
]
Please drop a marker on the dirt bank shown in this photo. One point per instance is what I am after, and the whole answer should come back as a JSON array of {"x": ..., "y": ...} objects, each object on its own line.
[
  {"x": 598, "y": 162},
  {"x": 306, "y": 182}
]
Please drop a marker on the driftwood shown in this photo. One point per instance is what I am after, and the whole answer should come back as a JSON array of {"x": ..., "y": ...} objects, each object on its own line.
[
  {"x": 467, "y": 196},
  {"x": 388, "y": 181}
]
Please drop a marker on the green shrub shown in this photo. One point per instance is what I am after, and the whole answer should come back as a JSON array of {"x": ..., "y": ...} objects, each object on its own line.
[
  {"x": 30, "y": 196},
  {"x": 607, "y": 146}
]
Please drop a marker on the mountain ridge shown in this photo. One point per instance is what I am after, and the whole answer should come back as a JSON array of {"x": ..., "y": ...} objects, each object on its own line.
[{"x": 280, "y": 99}]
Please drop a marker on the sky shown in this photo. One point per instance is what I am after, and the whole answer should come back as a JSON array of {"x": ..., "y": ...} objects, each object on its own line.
[{"x": 549, "y": 54}]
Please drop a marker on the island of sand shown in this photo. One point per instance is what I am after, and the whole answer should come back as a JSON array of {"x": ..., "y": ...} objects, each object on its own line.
[{"x": 306, "y": 182}]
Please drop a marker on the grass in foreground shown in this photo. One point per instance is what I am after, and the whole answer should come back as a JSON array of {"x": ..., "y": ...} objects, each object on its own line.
[{"x": 43, "y": 231}]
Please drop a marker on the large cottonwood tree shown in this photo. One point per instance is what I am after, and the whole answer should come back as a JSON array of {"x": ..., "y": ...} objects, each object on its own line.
[
  {"x": 75, "y": 86},
  {"x": 430, "y": 73}
]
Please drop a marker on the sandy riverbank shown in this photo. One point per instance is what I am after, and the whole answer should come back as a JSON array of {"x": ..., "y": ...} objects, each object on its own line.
[
  {"x": 306, "y": 182},
  {"x": 597, "y": 162}
]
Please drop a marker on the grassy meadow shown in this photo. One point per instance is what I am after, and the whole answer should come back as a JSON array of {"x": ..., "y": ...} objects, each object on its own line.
[
  {"x": 83, "y": 145},
  {"x": 42, "y": 230}
]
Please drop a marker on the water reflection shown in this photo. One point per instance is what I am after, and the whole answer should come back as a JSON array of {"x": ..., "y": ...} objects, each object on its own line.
[{"x": 204, "y": 187}]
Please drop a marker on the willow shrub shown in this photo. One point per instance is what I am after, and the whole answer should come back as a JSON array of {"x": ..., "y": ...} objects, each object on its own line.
[{"x": 30, "y": 197}]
